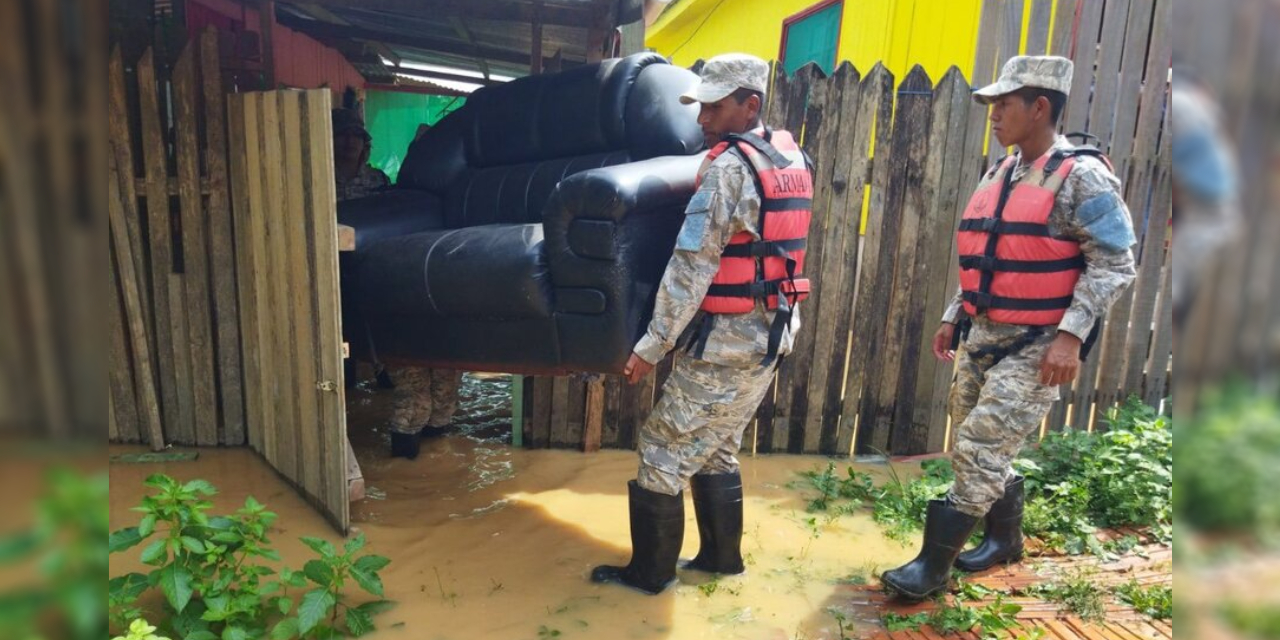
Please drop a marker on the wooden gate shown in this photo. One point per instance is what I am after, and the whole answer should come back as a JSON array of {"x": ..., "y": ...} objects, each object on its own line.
[{"x": 287, "y": 266}]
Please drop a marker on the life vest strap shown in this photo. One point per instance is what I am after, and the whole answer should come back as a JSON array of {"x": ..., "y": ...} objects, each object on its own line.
[
  {"x": 985, "y": 301},
  {"x": 987, "y": 263},
  {"x": 764, "y": 249},
  {"x": 1004, "y": 228}
]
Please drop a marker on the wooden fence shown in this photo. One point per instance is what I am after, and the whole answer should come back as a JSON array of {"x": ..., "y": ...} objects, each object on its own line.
[
  {"x": 177, "y": 315},
  {"x": 53, "y": 363},
  {"x": 903, "y": 158},
  {"x": 1233, "y": 48}
]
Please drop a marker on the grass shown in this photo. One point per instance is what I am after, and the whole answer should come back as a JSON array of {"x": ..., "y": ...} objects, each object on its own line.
[
  {"x": 1154, "y": 601},
  {"x": 1079, "y": 594}
]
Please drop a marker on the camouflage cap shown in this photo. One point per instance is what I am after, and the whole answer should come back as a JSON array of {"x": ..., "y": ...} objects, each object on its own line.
[
  {"x": 1044, "y": 72},
  {"x": 724, "y": 74}
]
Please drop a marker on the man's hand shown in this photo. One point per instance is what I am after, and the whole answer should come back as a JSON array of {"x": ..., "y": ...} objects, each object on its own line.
[
  {"x": 942, "y": 341},
  {"x": 1061, "y": 361},
  {"x": 636, "y": 369}
]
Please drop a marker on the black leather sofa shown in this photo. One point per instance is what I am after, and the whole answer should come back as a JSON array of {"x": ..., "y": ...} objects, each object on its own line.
[{"x": 529, "y": 229}]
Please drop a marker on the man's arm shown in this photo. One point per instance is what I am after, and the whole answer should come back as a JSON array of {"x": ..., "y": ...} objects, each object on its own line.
[
  {"x": 708, "y": 225},
  {"x": 1100, "y": 222},
  {"x": 954, "y": 312}
]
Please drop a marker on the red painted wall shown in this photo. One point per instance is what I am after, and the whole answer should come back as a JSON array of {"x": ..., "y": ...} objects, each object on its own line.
[{"x": 300, "y": 61}]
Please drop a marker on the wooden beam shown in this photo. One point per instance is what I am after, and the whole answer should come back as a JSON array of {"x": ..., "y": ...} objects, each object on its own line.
[
  {"x": 535, "y": 57},
  {"x": 266, "y": 23},
  {"x": 328, "y": 31},
  {"x": 496, "y": 10}
]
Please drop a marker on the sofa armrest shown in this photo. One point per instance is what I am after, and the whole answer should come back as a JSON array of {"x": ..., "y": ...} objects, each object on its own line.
[
  {"x": 609, "y": 234},
  {"x": 389, "y": 214}
]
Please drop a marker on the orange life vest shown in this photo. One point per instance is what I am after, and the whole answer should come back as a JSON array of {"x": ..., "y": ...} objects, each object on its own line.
[
  {"x": 767, "y": 269},
  {"x": 1011, "y": 266}
]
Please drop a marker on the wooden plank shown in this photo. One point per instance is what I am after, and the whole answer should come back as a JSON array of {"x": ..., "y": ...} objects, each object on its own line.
[
  {"x": 277, "y": 366},
  {"x": 258, "y": 120},
  {"x": 246, "y": 266},
  {"x": 298, "y": 309},
  {"x": 130, "y": 286},
  {"x": 820, "y": 130},
  {"x": 1064, "y": 22},
  {"x": 222, "y": 250},
  {"x": 122, "y": 392},
  {"x": 346, "y": 238},
  {"x": 935, "y": 260},
  {"x": 1131, "y": 86},
  {"x": 594, "y": 420},
  {"x": 1084, "y": 54},
  {"x": 806, "y": 92},
  {"x": 985, "y": 63},
  {"x": 611, "y": 420},
  {"x": 173, "y": 357},
  {"x": 906, "y": 311},
  {"x": 900, "y": 225},
  {"x": 538, "y": 390},
  {"x": 323, "y": 214},
  {"x": 869, "y": 327},
  {"x": 1038, "y": 28},
  {"x": 266, "y": 29},
  {"x": 1010, "y": 40},
  {"x": 576, "y": 413},
  {"x": 1147, "y": 286},
  {"x": 195, "y": 253},
  {"x": 1106, "y": 83},
  {"x": 560, "y": 428},
  {"x": 841, "y": 229}
]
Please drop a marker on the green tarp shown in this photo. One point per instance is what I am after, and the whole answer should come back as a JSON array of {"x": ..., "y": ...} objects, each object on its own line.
[{"x": 393, "y": 117}]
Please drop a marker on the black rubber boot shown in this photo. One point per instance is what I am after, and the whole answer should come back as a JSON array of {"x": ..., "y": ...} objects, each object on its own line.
[
  {"x": 717, "y": 500},
  {"x": 945, "y": 532},
  {"x": 404, "y": 445},
  {"x": 1002, "y": 541},
  {"x": 657, "y": 531}
]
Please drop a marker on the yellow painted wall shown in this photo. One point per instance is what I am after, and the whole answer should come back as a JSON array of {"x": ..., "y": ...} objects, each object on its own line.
[{"x": 900, "y": 33}]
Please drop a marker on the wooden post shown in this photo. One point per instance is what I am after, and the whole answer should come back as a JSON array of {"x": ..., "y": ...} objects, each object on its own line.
[
  {"x": 594, "y": 421},
  {"x": 266, "y": 24}
]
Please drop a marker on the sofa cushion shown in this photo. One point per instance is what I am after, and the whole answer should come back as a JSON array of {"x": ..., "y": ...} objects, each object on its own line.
[
  {"x": 492, "y": 271},
  {"x": 514, "y": 194},
  {"x": 391, "y": 213}
]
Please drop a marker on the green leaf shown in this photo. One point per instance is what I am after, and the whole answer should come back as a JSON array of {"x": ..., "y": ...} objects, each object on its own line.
[
  {"x": 148, "y": 525},
  {"x": 358, "y": 622},
  {"x": 377, "y": 606},
  {"x": 175, "y": 581},
  {"x": 315, "y": 605},
  {"x": 353, "y": 545},
  {"x": 284, "y": 604},
  {"x": 155, "y": 553},
  {"x": 200, "y": 486},
  {"x": 321, "y": 547},
  {"x": 158, "y": 480},
  {"x": 233, "y": 632},
  {"x": 252, "y": 505},
  {"x": 16, "y": 547},
  {"x": 285, "y": 629},
  {"x": 124, "y": 539},
  {"x": 368, "y": 581},
  {"x": 318, "y": 572},
  {"x": 202, "y": 634},
  {"x": 193, "y": 545},
  {"x": 372, "y": 564}
]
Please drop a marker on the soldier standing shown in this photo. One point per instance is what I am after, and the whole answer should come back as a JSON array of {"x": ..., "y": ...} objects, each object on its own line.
[
  {"x": 425, "y": 398},
  {"x": 1045, "y": 250},
  {"x": 729, "y": 300}
]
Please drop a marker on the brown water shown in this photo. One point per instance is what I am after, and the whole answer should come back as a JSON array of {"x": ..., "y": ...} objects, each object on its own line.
[{"x": 490, "y": 542}]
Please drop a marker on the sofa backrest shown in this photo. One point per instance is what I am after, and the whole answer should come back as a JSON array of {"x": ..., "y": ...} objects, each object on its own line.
[{"x": 498, "y": 158}]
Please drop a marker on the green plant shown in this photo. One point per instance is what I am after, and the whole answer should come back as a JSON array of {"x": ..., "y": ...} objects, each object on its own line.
[
  {"x": 1154, "y": 601},
  {"x": 1078, "y": 594},
  {"x": 64, "y": 550},
  {"x": 140, "y": 629},
  {"x": 545, "y": 632},
  {"x": 894, "y": 622},
  {"x": 832, "y": 489},
  {"x": 900, "y": 506},
  {"x": 212, "y": 571},
  {"x": 995, "y": 619},
  {"x": 1229, "y": 456},
  {"x": 1253, "y": 621}
]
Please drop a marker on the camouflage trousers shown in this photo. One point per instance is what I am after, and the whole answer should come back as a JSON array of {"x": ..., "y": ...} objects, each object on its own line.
[
  {"x": 996, "y": 403},
  {"x": 424, "y": 397},
  {"x": 697, "y": 425}
]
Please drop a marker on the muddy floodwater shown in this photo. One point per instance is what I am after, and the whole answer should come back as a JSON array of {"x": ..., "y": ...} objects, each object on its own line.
[{"x": 490, "y": 542}]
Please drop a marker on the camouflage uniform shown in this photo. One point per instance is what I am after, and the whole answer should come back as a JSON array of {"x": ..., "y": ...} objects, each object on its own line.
[
  {"x": 995, "y": 406},
  {"x": 367, "y": 181},
  {"x": 1205, "y": 184},
  {"x": 424, "y": 396},
  {"x": 707, "y": 402}
]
